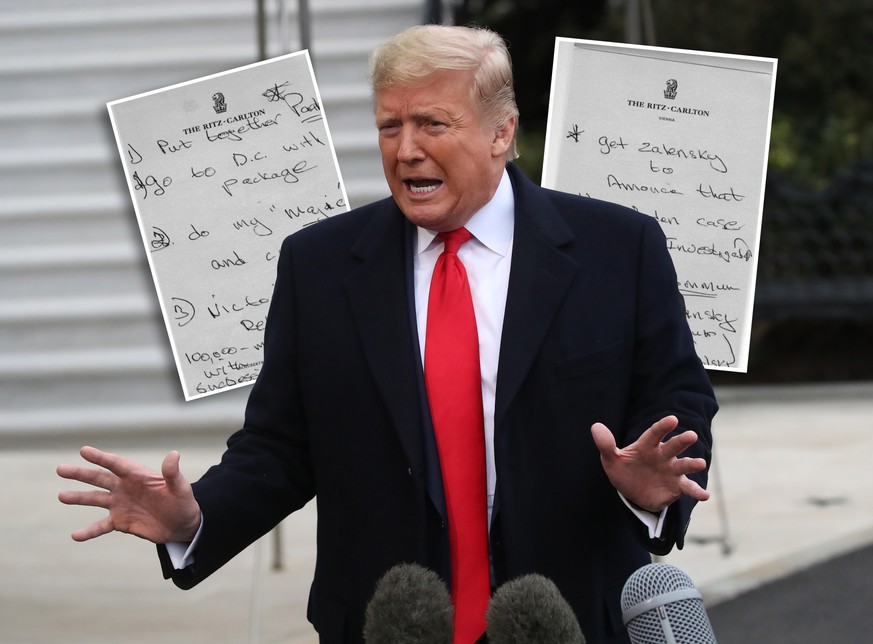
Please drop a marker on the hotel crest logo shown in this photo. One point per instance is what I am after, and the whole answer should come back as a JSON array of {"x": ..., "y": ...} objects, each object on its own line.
[{"x": 219, "y": 104}]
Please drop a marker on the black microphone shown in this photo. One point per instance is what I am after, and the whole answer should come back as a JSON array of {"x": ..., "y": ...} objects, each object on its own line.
[
  {"x": 411, "y": 605},
  {"x": 531, "y": 610},
  {"x": 660, "y": 605}
]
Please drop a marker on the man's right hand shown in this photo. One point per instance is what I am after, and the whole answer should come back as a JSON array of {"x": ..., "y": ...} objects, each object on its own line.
[{"x": 158, "y": 507}]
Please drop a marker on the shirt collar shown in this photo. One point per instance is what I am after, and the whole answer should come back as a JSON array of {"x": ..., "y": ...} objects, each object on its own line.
[{"x": 492, "y": 225}]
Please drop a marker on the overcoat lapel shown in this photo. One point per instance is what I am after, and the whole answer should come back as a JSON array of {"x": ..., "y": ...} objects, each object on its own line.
[
  {"x": 539, "y": 278},
  {"x": 379, "y": 300}
]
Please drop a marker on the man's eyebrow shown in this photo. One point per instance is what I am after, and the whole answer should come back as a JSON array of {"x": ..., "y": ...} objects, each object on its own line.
[
  {"x": 418, "y": 115},
  {"x": 433, "y": 115},
  {"x": 386, "y": 119}
]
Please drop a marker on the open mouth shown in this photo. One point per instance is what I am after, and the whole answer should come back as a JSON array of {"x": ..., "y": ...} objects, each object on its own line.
[{"x": 422, "y": 186}]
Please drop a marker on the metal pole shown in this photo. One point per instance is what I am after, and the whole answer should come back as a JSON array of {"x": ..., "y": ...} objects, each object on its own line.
[
  {"x": 639, "y": 22},
  {"x": 632, "y": 29},
  {"x": 261, "y": 29},
  {"x": 649, "y": 22},
  {"x": 284, "y": 29},
  {"x": 433, "y": 12},
  {"x": 305, "y": 20}
]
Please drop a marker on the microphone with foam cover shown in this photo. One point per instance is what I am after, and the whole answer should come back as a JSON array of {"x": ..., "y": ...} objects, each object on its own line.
[
  {"x": 660, "y": 605},
  {"x": 411, "y": 605},
  {"x": 531, "y": 610}
]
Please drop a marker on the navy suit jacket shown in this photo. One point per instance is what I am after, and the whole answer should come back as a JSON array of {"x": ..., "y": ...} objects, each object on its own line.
[{"x": 594, "y": 331}]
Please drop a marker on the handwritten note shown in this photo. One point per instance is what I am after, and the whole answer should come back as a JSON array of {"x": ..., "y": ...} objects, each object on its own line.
[
  {"x": 683, "y": 137},
  {"x": 221, "y": 169}
]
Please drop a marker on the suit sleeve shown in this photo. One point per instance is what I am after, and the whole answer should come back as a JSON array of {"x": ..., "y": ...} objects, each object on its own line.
[
  {"x": 266, "y": 471},
  {"x": 668, "y": 377}
]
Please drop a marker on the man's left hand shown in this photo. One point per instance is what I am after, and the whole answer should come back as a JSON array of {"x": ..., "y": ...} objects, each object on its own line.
[{"x": 649, "y": 472}]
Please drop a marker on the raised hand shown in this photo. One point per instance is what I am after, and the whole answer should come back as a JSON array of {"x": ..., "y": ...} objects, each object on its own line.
[
  {"x": 158, "y": 507},
  {"x": 649, "y": 472}
]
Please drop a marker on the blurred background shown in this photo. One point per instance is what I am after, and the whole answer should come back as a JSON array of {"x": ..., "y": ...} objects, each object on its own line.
[
  {"x": 813, "y": 316},
  {"x": 84, "y": 356}
]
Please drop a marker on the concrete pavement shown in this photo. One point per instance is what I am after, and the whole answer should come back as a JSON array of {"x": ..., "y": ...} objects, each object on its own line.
[
  {"x": 792, "y": 487},
  {"x": 827, "y": 602}
]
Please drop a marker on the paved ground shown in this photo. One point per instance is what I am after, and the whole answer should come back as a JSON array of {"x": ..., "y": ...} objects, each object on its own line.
[
  {"x": 827, "y": 602},
  {"x": 793, "y": 488}
]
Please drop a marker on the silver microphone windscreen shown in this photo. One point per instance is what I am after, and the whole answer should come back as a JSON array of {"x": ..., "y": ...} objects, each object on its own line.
[
  {"x": 411, "y": 605},
  {"x": 660, "y": 605}
]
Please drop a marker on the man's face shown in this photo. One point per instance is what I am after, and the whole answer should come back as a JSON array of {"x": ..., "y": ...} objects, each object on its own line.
[{"x": 442, "y": 162}]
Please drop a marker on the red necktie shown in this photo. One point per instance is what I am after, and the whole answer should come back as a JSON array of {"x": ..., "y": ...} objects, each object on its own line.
[{"x": 454, "y": 391}]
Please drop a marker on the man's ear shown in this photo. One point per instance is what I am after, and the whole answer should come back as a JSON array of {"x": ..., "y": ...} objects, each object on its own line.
[{"x": 503, "y": 137}]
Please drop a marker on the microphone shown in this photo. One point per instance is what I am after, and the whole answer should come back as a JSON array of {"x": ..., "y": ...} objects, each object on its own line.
[
  {"x": 531, "y": 610},
  {"x": 411, "y": 605},
  {"x": 660, "y": 605}
]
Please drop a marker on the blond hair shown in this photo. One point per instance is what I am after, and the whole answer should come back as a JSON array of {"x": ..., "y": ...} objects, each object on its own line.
[{"x": 418, "y": 53}]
